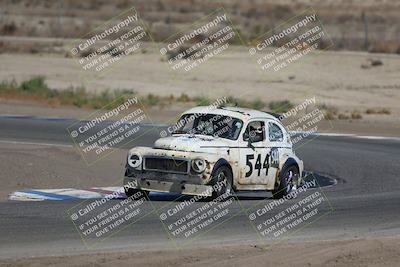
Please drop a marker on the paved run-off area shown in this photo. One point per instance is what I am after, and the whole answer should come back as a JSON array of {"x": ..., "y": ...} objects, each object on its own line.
[{"x": 364, "y": 201}]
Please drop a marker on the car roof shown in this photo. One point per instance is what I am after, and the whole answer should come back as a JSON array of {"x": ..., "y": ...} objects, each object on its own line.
[{"x": 235, "y": 112}]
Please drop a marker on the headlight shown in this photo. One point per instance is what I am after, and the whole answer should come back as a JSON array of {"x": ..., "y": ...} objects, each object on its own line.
[
  {"x": 198, "y": 165},
  {"x": 135, "y": 160}
]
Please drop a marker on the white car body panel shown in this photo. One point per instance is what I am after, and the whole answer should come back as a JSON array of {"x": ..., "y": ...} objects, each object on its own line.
[{"x": 236, "y": 153}]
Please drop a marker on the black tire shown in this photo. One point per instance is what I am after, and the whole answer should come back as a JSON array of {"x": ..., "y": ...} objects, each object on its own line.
[
  {"x": 222, "y": 179},
  {"x": 288, "y": 179}
]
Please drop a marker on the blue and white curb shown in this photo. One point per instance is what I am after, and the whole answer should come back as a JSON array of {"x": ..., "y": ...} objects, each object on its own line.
[{"x": 67, "y": 194}]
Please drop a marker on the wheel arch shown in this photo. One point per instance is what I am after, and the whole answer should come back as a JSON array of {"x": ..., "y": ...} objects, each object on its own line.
[
  {"x": 224, "y": 162},
  {"x": 221, "y": 162},
  {"x": 288, "y": 162}
]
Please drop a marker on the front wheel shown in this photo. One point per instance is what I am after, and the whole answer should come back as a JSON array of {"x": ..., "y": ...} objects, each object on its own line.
[
  {"x": 222, "y": 182},
  {"x": 288, "y": 181}
]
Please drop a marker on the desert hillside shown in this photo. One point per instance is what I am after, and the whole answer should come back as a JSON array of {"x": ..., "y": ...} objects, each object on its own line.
[{"x": 347, "y": 22}]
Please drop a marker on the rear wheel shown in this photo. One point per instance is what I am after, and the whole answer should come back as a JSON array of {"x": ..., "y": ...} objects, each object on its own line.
[
  {"x": 288, "y": 181},
  {"x": 222, "y": 182}
]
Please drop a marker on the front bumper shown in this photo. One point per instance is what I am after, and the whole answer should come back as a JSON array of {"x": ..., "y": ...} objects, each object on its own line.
[{"x": 178, "y": 187}]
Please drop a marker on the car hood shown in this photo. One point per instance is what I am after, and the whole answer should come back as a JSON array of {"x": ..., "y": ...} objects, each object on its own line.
[{"x": 191, "y": 143}]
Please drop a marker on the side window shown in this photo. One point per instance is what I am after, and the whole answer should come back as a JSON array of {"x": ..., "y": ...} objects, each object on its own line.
[
  {"x": 255, "y": 130},
  {"x": 275, "y": 133}
]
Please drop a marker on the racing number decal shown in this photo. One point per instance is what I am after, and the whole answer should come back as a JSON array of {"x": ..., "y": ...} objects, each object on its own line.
[
  {"x": 248, "y": 163},
  {"x": 269, "y": 161},
  {"x": 258, "y": 166}
]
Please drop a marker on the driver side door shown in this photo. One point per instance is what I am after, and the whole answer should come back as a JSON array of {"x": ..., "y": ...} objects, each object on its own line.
[{"x": 254, "y": 154}]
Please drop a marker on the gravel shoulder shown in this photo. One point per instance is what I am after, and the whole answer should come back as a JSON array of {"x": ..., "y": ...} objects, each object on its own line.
[
  {"x": 353, "y": 252},
  {"x": 336, "y": 79}
]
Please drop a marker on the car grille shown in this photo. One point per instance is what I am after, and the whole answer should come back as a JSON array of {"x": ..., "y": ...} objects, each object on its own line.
[{"x": 166, "y": 165}]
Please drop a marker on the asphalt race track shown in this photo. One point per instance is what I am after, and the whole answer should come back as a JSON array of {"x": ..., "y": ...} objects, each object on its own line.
[{"x": 364, "y": 202}]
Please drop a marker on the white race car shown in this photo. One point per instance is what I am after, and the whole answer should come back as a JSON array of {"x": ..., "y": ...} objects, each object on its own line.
[{"x": 234, "y": 148}]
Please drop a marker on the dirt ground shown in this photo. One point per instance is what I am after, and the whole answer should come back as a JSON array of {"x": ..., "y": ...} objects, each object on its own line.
[
  {"x": 350, "y": 253},
  {"x": 73, "y": 18},
  {"x": 345, "y": 81},
  {"x": 40, "y": 166},
  {"x": 336, "y": 79}
]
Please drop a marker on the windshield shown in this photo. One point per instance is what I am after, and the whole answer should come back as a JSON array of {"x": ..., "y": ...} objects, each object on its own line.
[{"x": 209, "y": 124}]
